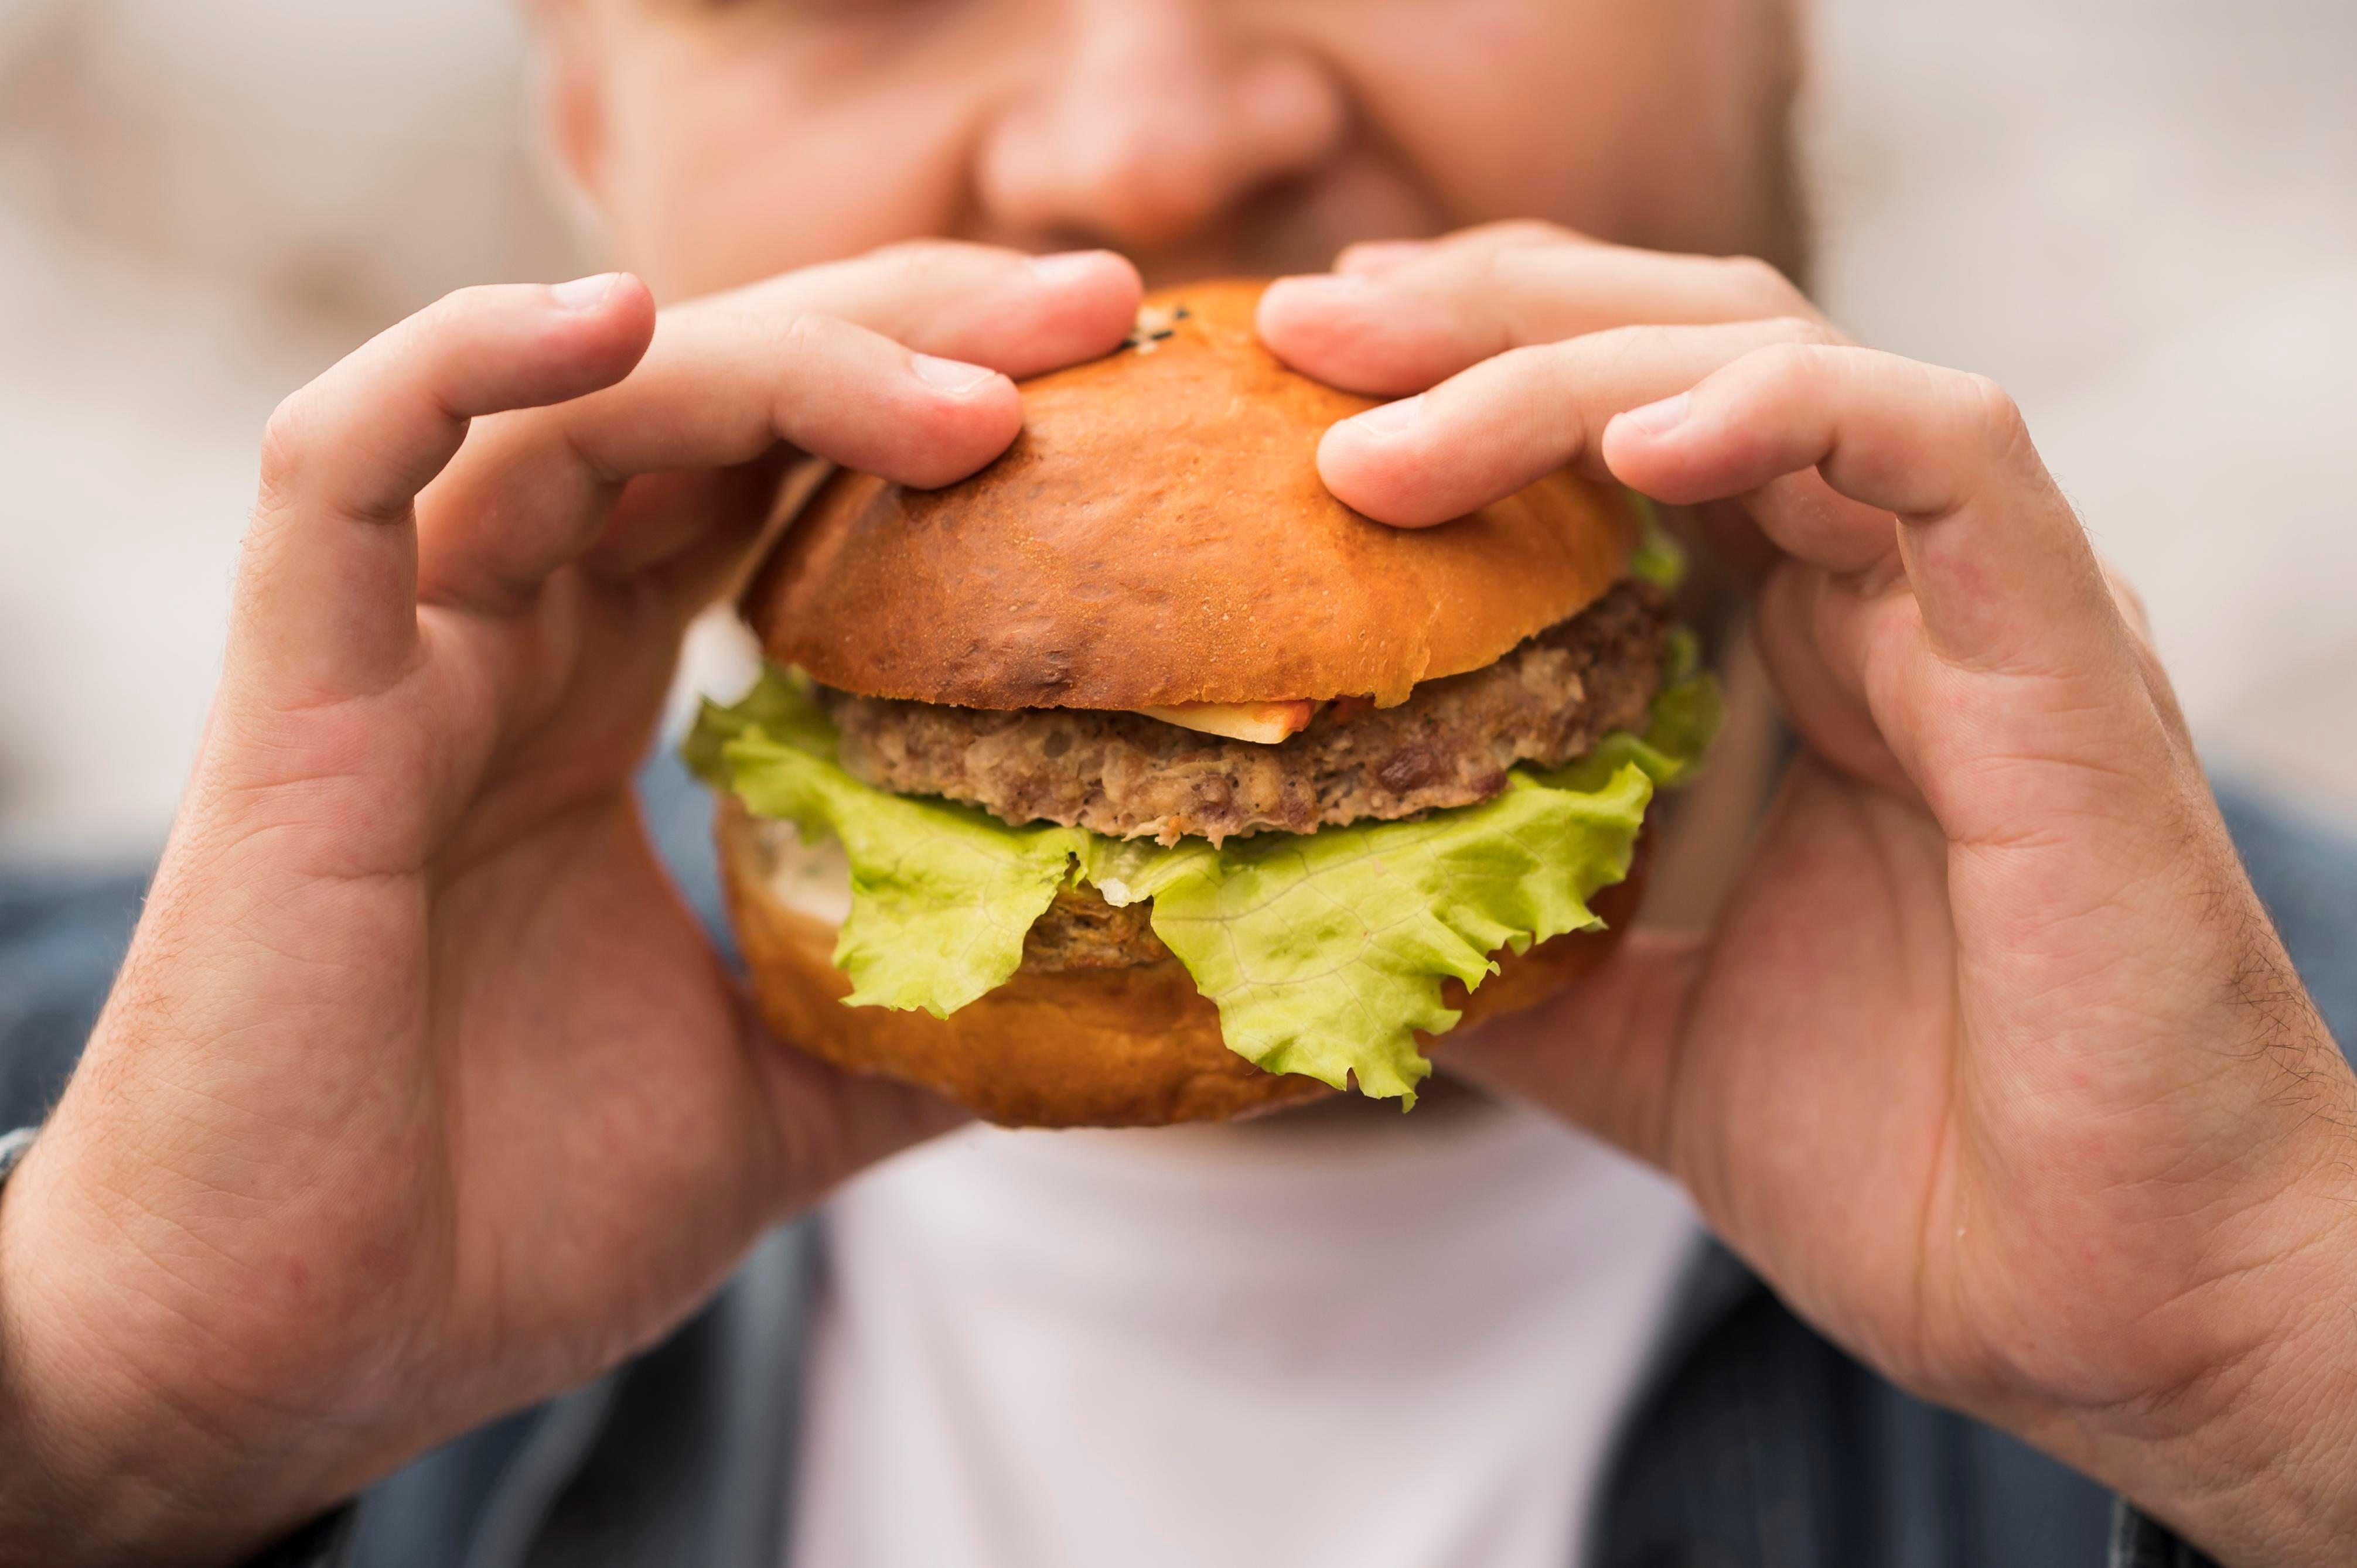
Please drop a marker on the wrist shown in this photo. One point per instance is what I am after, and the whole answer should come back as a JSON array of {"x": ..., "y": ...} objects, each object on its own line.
[
  {"x": 2256, "y": 1460},
  {"x": 2275, "y": 1485},
  {"x": 94, "y": 1467}
]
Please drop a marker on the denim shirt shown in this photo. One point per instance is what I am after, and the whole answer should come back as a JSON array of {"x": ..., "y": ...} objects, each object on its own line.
[{"x": 1753, "y": 1441}]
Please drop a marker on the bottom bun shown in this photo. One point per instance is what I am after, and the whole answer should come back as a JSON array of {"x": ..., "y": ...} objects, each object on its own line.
[{"x": 1109, "y": 1048}]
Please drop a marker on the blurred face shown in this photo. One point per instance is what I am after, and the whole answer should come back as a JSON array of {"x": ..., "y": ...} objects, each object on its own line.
[{"x": 725, "y": 140}]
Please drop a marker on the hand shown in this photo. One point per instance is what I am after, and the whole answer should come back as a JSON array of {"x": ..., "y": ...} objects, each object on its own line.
[
  {"x": 1992, "y": 1064},
  {"x": 422, "y": 1095}
]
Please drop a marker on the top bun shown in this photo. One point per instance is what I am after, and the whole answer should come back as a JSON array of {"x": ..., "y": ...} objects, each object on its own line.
[{"x": 1159, "y": 535}]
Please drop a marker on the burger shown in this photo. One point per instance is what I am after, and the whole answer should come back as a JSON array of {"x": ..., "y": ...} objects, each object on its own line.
[{"x": 1137, "y": 779}]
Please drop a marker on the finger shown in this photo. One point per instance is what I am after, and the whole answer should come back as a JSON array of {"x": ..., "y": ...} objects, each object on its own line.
[
  {"x": 694, "y": 520},
  {"x": 1379, "y": 255},
  {"x": 791, "y": 361},
  {"x": 1490, "y": 430},
  {"x": 1017, "y": 313},
  {"x": 326, "y": 603},
  {"x": 1990, "y": 548},
  {"x": 1599, "y": 1052},
  {"x": 1372, "y": 256},
  {"x": 1813, "y": 630},
  {"x": 1986, "y": 645},
  {"x": 718, "y": 396},
  {"x": 830, "y": 1124},
  {"x": 2138, "y": 617},
  {"x": 1403, "y": 323}
]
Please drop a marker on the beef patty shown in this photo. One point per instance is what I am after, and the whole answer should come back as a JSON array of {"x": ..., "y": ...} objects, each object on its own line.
[
  {"x": 1127, "y": 776},
  {"x": 1080, "y": 930}
]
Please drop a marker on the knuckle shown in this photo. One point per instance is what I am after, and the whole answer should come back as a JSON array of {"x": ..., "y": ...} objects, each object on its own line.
[
  {"x": 921, "y": 259},
  {"x": 1761, "y": 287},
  {"x": 1517, "y": 373},
  {"x": 459, "y": 301},
  {"x": 446, "y": 314},
  {"x": 807, "y": 333},
  {"x": 286, "y": 441},
  {"x": 1805, "y": 331},
  {"x": 1619, "y": 345},
  {"x": 1794, "y": 367},
  {"x": 914, "y": 252},
  {"x": 2133, "y": 606},
  {"x": 2132, "y": 609},
  {"x": 1527, "y": 232},
  {"x": 1997, "y": 417}
]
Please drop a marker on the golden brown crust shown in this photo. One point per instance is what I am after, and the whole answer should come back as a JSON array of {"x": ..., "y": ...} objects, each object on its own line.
[
  {"x": 1159, "y": 535},
  {"x": 1119, "y": 1047}
]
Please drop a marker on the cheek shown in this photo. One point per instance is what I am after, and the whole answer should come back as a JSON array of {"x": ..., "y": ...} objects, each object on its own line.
[{"x": 721, "y": 172}]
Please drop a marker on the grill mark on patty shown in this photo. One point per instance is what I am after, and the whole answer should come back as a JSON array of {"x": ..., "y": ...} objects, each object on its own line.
[{"x": 1127, "y": 776}]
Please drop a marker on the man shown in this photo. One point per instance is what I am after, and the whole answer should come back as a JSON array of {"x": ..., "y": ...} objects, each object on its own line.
[{"x": 421, "y": 1097}]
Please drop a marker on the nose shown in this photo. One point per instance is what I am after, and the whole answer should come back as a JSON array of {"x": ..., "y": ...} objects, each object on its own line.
[{"x": 1155, "y": 116}]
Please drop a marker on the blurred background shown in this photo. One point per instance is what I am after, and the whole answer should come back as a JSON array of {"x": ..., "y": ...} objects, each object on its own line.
[{"x": 2140, "y": 215}]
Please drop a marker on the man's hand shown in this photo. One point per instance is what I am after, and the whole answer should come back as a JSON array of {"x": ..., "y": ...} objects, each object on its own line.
[
  {"x": 420, "y": 1095},
  {"x": 1993, "y": 1064}
]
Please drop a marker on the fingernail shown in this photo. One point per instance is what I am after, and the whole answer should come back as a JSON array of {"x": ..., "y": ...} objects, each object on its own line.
[
  {"x": 1661, "y": 418},
  {"x": 1067, "y": 267},
  {"x": 1391, "y": 418},
  {"x": 955, "y": 377},
  {"x": 584, "y": 293}
]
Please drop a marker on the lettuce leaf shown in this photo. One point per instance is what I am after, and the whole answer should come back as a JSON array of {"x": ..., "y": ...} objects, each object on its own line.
[
  {"x": 1324, "y": 953},
  {"x": 1660, "y": 559},
  {"x": 941, "y": 895}
]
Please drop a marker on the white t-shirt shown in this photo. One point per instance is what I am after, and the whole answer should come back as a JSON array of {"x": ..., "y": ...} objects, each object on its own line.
[{"x": 1368, "y": 1341}]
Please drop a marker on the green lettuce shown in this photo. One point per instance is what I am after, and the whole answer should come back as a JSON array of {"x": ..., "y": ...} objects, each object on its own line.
[
  {"x": 1324, "y": 953},
  {"x": 1660, "y": 559}
]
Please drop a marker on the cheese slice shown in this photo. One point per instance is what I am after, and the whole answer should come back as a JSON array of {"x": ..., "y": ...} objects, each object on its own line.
[{"x": 1265, "y": 724}]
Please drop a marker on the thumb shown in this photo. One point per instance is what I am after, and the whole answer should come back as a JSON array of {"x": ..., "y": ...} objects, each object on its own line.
[{"x": 1600, "y": 1053}]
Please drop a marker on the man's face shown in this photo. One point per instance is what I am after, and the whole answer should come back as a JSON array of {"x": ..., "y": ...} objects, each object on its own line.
[{"x": 725, "y": 140}]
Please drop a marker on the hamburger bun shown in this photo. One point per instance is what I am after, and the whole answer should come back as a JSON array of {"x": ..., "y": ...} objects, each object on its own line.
[
  {"x": 1159, "y": 535},
  {"x": 1121, "y": 1048}
]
